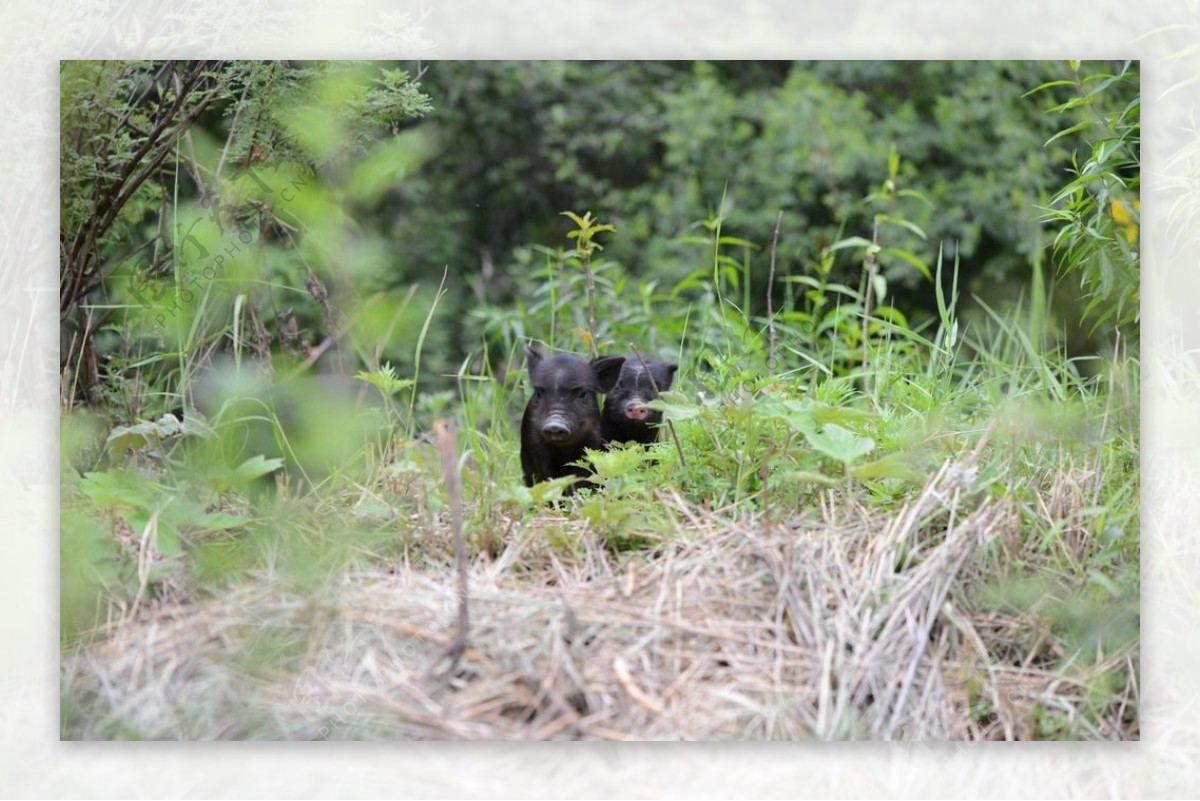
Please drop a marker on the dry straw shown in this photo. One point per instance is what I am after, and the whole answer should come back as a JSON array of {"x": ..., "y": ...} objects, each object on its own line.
[{"x": 841, "y": 625}]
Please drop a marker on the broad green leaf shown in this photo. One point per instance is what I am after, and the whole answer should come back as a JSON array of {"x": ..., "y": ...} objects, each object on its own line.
[
  {"x": 840, "y": 443},
  {"x": 140, "y": 435},
  {"x": 675, "y": 410},
  {"x": 798, "y": 415},
  {"x": 256, "y": 467},
  {"x": 109, "y": 488}
]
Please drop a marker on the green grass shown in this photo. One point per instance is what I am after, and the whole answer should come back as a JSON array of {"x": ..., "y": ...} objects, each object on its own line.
[{"x": 162, "y": 512}]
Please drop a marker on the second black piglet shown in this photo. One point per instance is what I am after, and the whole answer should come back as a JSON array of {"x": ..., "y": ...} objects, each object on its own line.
[
  {"x": 625, "y": 417},
  {"x": 563, "y": 416}
]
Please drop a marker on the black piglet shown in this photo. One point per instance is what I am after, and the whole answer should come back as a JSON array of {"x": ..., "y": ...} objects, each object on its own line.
[
  {"x": 625, "y": 417},
  {"x": 563, "y": 416}
]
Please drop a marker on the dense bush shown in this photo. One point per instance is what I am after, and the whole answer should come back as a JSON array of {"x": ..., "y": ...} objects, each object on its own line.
[{"x": 656, "y": 149}]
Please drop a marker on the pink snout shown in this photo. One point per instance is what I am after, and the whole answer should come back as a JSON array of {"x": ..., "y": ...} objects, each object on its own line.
[{"x": 636, "y": 411}]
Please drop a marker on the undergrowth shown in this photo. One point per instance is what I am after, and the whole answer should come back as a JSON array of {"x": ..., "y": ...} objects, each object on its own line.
[{"x": 250, "y": 471}]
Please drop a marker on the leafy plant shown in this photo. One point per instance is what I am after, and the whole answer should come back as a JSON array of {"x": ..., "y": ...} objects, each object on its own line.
[{"x": 1097, "y": 212}]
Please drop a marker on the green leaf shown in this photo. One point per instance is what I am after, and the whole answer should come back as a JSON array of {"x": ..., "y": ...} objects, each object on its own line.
[
  {"x": 385, "y": 380},
  {"x": 880, "y": 286},
  {"x": 256, "y": 467},
  {"x": 1047, "y": 85},
  {"x": 123, "y": 439},
  {"x": 912, "y": 259},
  {"x": 806, "y": 477},
  {"x": 807, "y": 280},
  {"x": 905, "y": 224},
  {"x": 733, "y": 240},
  {"x": 828, "y": 413},
  {"x": 840, "y": 443},
  {"x": 851, "y": 242},
  {"x": 550, "y": 491},
  {"x": 797, "y": 414},
  {"x": 575, "y": 218},
  {"x": 915, "y": 195},
  {"x": 894, "y": 316},
  {"x": 894, "y": 465},
  {"x": 113, "y": 489},
  {"x": 1079, "y": 126},
  {"x": 675, "y": 410},
  {"x": 167, "y": 539},
  {"x": 618, "y": 461}
]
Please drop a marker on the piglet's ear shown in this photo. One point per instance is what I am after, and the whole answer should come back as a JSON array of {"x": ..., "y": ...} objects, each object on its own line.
[
  {"x": 607, "y": 370},
  {"x": 533, "y": 357},
  {"x": 669, "y": 369}
]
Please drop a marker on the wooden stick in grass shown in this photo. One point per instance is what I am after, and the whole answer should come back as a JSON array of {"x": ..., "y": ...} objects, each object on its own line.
[
  {"x": 868, "y": 299},
  {"x": 446, "y": 440},
  {"x": 772, "y": 336}
]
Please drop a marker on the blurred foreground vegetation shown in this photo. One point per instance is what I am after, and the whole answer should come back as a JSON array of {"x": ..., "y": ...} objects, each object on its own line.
[{"x": 276, "y": 275}]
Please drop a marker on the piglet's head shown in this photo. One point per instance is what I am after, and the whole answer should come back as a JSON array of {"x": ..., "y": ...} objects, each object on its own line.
[{"x": 565, "y": 387}]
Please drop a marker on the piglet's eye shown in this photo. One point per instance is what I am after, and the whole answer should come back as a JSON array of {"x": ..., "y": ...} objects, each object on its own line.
[
  {"x": 538, "y": 392},
  {"x": 585, "y": 394}
]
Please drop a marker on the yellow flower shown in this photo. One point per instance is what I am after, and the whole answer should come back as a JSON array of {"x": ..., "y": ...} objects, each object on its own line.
[{"x": 1125, "y": 219}]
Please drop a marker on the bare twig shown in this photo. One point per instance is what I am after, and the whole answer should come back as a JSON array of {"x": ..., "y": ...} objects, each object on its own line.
[
  {"x": 868, "y": 300},
  {"x": 444, "y": 435},
  {"x": 586, "y": 258},
  {"x": 621, "y": 671},
  {"x": 772, "y": 336}
]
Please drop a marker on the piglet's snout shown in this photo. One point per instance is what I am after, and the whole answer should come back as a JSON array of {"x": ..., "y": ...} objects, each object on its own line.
[
  {"x": 557, "y": 427},
  {"x": 636, "y": 410}
]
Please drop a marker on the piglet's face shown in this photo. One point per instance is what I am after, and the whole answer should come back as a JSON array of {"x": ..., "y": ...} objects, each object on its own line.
[
  {"x": 634, "y": 389},
  {"x": 565, "y": 388}
]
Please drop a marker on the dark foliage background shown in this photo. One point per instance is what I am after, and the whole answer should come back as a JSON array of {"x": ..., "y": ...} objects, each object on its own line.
[{"x": 464, "y": 167}]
